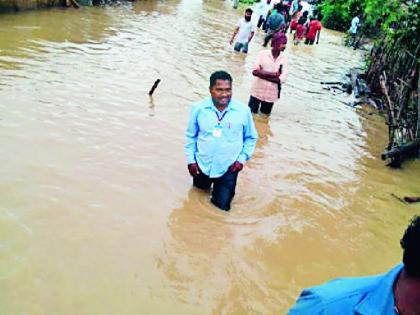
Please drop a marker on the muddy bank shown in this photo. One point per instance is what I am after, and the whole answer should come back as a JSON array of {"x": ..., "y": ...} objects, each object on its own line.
[{"x": 7, "y": 6}]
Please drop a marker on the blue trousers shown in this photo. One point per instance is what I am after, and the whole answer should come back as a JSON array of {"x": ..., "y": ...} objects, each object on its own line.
[
  {"x": 241, "y": 46},
  {"x": 223, "y": 188}
]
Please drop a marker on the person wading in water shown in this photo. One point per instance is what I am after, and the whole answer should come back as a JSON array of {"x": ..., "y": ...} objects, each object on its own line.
[
  {"x": 221, "y": 137},
  {"x": 244, "y": 30},
  {"x": 270, "y": 71}
]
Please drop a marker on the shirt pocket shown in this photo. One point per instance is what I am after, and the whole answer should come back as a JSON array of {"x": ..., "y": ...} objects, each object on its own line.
[
  {"x": 206, "y": 125},
  {"x": 233, "y": 131}
]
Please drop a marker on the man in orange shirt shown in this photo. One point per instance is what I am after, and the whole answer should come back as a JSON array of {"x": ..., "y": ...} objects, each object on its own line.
[
  {"x": 270, "y": 71},
  {"x": 314, "y": 30}
]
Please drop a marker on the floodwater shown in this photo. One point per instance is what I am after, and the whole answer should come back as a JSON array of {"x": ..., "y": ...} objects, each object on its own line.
[{"x": 97, "y": 213}]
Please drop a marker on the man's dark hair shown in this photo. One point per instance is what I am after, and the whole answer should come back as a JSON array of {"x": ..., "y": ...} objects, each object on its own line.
[
  {"x": 302, "y": 20},
  {"x": 249, "y": 10},
  {"x": 410, "y": 243},
  {"x": 219, "y": 75}
]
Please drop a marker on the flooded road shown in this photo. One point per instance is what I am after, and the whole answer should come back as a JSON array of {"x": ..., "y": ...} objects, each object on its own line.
[{"x": 97, "y": 213}]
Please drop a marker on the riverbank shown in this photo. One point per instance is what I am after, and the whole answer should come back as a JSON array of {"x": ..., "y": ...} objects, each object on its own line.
[{"x": 8, "y": 6}]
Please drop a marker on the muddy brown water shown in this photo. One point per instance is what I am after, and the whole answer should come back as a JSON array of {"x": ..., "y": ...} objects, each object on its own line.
[{"x": 97, "y": 213}]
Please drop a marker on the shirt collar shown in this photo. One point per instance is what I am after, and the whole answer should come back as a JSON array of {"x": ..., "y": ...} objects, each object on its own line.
[
  {"x": 231, "y": 106},
  {"x": 270, "y": 55},
  {"x": 381, "y": 299}
]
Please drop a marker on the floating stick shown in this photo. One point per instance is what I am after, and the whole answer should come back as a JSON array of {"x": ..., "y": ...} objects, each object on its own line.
[{"x": 154, "y": 87}]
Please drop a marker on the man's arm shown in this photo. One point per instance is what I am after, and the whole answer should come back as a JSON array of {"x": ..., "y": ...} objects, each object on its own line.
[
  {"x": 250, "y": 37},
  {"x": 284, "y": 70},
  {"x": 250, "y": 139},
  {"x": 191, "y": 135},
  {"x": 260, "y": 73},
  {"x": 317, "y": 38},
  {"x": 253, "y": 30},
  {"x": 266, "y": 75},
  {"x": 234, "y": 34}
]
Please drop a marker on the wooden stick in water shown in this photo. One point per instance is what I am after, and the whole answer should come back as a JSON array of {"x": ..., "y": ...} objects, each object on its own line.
[{"x": 154, "y": 87}]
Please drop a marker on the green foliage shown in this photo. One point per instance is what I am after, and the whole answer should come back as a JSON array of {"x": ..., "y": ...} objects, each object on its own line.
[
  {"x": 408, "y": 30},
  {"x": 337, "y": 14},
  {"x": 366, "y": 65},
  {"x": 378, "y": 15}
]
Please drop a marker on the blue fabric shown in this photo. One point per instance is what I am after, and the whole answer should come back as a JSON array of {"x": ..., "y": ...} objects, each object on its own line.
[
  {"x": 275, "y": 21},
  {"x": 223, "y": 188},
  {"x": 371, "y": 295},
  {"x": 295, "y": 6},
  {"x": 213, "y": 154},
  {"x": 238, "y": 46}
]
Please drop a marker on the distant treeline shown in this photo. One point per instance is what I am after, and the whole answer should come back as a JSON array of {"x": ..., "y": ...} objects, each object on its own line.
[{"x": 378, "y": 15}]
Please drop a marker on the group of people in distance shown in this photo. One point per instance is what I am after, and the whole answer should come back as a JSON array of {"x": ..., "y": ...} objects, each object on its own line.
[
  {"x": 277, "y": 17},
  {"x": 296, "y": 15}
]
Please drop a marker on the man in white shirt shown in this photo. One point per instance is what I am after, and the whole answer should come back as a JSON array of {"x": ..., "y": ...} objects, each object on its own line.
[
  {"x": 354, "y": 24},
  {"x": 244, "y": 32},
  {"x": 353, "y": 28},
  {"x": 262, "y": 9}
]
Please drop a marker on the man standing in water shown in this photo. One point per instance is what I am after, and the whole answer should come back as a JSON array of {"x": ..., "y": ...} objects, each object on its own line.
[
  {"x": 276, "y": 23},
  {"x": 353, "y": 28},
  {"x": 245, "y": 31},
  {"x": 263, "y": 8},
  {"x": 314, "y": 31},
  {"x": 270, "y": 71},
  {"x": 221, "y": 137},
  {"x": 395, "y": 292}
]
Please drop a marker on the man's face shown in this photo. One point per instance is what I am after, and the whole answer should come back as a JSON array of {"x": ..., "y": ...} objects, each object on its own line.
[
  {"x": 248, "y": 16},
  {"x": 277, "y": 48},
  {"x": 221, "y": 92}
]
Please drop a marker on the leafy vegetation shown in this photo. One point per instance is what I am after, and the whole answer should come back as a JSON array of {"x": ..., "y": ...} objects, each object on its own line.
[{"x": 379, "y": 16}]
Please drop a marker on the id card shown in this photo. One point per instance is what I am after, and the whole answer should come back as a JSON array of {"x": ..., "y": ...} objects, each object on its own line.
[{"x": 217, "y": 132}]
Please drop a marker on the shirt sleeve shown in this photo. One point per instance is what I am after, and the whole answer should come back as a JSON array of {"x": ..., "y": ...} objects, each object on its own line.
[
  {"x": 309, "y": 303},
  {"x": 285, "y": 70},
  {"x": 257, "y": 62},
  {"x": 250, "y": 139},
  {"x": 191, "y": 135},
  {"x": 239, "y": 23}
]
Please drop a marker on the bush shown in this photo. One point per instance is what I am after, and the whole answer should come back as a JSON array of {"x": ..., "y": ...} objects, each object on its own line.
[{"x": 377, "y": 14}]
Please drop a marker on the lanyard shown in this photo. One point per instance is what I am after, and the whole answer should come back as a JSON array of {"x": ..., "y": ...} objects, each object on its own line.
[{"x": 219, "y": 119}]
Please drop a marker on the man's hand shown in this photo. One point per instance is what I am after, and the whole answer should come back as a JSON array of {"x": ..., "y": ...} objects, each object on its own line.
[
  {"x": 231, "y": 41},
  {"x": 193, "y": 169},
  {"x": 236, "y": 167}
]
